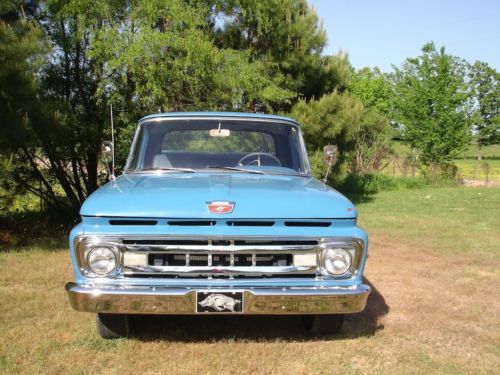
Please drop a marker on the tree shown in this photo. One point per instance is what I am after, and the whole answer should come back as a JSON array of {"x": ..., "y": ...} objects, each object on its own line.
[
  {"x": 158, "y": 56},
  {"x": 144, "y": 57},
  {"x": 485, "y": 82},
  {"x": 22, "y": 52},
  {"x": 373, "y": 88},
  {"x": 433, "y": 104},
  {"x": 373, "y": 135},
  {"x": 330, "y": 120},
  {"x": 287, "y": 38}
]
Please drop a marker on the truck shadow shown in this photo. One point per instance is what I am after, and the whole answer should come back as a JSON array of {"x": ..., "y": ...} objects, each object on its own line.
[{"x": 255, "y": 328}]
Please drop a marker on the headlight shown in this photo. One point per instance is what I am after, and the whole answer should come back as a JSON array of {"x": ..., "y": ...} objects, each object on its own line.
[
  {"x": 337, "y": 261},
  {"x": 102, "y": 260}
]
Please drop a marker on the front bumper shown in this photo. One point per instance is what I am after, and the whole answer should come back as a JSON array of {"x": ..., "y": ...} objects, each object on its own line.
[{"x": 177, "y": 300}]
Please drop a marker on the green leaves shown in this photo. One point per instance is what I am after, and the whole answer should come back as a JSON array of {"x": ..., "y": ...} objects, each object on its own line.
[
  {"x": 158, "y": 56},
  {"x": 433, "y": 105},
  {"x": 330, "y": 120},
  {"x": 485, "y": 83},
  {"x": 374, "y": 89},
  {"x": 287, "y": 37}
]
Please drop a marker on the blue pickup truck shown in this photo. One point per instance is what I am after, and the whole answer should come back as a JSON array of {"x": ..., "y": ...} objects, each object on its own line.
[{"x": 217, "y": 213}]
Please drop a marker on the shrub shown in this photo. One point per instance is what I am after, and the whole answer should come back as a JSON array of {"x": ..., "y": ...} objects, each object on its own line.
[{"x": 374, "y": 183}]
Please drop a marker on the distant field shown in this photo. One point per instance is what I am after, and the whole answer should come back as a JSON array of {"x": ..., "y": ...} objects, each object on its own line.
[
  {"x": 487, "y": 169},
  {"x": 434, "y": 262}
]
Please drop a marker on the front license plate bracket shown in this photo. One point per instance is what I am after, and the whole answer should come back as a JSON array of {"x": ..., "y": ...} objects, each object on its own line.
[{"x": 219, "y": 302}]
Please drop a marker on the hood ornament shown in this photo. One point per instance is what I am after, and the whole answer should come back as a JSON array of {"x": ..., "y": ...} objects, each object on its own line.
[{"x": 220, "y": 207}]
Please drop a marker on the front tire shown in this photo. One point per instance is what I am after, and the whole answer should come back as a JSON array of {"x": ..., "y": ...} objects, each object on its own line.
[
  {"x": 113, "y": 326},
  {"x": 323, "y": 323}
]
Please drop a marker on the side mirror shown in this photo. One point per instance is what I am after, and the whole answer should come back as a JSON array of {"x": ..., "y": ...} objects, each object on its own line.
[
  {"x": 329, "y": 157},
  {"x": 108, "y": 157},
  {"x": 330, "y": 154},
  {"x": 107, "y": 151}
]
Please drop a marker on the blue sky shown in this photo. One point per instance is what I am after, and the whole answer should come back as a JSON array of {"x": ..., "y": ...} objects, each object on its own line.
[{"x": 384, "y": 32}]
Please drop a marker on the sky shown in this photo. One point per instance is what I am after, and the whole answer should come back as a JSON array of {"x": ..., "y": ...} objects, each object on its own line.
[{"x": 385, "y": 32}]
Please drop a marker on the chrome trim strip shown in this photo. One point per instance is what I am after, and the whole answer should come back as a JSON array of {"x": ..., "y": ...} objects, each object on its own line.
[
  {"x": 247, "y": 270},
  {"x": 225, "y": 237},
  {"x": 165, "y": 300},
  {"x": 230, "y": 248}
]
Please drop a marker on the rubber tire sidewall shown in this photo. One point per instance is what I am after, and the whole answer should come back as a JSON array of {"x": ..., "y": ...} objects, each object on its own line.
[
  {"x": 113, "y": 326},
  {"x": 323, "y": 323}
]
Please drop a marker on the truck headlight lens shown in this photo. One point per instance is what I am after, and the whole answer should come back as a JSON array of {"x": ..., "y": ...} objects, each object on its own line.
[
  {"x": 102, "y": 260},
  {"x": 337, "y": 261}
]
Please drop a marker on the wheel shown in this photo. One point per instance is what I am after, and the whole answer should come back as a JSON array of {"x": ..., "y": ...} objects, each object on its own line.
[
  {"x": 113, "y": 326},
  {"x": 323, "y": 323}
]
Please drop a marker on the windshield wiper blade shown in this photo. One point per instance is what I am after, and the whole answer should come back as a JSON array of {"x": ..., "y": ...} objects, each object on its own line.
[
  {"x": 238, "y": 169},
  {"x": 188, "y": 170}
]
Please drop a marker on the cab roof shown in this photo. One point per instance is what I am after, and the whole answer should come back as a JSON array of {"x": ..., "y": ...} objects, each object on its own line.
[{"x": 219, "y": 114}]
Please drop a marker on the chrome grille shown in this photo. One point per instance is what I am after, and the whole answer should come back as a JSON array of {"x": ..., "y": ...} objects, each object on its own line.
[{"x": 219, "y": 257}]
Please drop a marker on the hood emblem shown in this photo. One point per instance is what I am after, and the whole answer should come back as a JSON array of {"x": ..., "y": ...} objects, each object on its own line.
[{"x": 220, "y": 207}]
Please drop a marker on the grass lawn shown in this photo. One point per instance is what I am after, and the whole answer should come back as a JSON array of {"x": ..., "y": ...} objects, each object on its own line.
[{"x": 434, "y": 265}]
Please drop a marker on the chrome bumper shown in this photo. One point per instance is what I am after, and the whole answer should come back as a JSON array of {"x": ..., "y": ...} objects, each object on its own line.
[{"x": 175, "y": 300}]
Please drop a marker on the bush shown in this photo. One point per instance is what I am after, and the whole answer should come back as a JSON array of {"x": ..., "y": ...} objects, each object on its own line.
[
  {"x": 374, "y": 183},
  {"x": 330, "y": 120},
  {"x": 440, "y": 171}
]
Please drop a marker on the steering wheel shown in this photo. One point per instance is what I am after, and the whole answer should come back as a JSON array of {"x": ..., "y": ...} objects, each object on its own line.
[{"x": 257, "y": 159}]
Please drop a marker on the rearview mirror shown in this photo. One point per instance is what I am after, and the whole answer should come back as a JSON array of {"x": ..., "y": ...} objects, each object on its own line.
[
  {"x": 330, "y": 154},
  {"x": 107, "y": 152},
  {"x": 220, "y": 132}
]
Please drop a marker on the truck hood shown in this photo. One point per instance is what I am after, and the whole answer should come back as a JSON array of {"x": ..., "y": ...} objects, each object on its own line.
[{"x": 183, "y": 195}]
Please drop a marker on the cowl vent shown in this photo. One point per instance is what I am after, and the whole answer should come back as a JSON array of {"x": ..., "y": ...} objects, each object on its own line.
[
  {"x": 308, "y": 223},
  {"x": 133, "y": 222},
  {"x": 248, "y": 223},
  {"x": 192, "y": 223}
]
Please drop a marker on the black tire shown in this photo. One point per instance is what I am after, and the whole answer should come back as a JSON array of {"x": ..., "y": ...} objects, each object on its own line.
[
  {"x": 113, "y": 326},
  {"x": 323, "y": 323}
]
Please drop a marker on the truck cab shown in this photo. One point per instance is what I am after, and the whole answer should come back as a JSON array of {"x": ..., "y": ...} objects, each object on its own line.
[{"x": 217, "y": 213}]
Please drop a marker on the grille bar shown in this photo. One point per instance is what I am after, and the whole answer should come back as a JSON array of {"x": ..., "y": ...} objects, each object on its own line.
[
  {"x": 257, "y": 270},
  {"x": 214, "y": 248},
  {"x": 220, "y": 259}
]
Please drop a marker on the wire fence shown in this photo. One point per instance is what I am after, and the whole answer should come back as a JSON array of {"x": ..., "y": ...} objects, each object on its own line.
[{"x": 467, "y": 169}]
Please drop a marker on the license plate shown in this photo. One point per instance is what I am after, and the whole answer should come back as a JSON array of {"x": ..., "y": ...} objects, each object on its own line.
[{"x": 219, "y": 302}]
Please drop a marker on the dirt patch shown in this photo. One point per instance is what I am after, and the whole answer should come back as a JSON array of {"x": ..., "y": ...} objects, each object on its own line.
[
  {"x": 480, "y": 183},
  {"x": 440, "y": 304}
]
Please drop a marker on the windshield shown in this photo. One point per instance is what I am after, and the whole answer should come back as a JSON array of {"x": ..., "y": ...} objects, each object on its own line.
[{"x": 192, "y": 145}]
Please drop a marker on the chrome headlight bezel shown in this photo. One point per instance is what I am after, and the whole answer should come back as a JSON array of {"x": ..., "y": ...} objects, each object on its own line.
[
  {"x": 105, "y": 255},
  {"x": 355, "y": 248},
  {"x": 83, "y": 249}
]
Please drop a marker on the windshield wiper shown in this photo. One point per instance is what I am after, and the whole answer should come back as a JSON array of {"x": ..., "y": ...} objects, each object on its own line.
[
  {"x": 238, "y": 169},
  {"x": 188, "y": 170}
]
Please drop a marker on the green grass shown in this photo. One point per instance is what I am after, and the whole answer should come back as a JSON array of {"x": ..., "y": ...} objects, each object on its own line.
[{"x": 451, "y": 220}]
